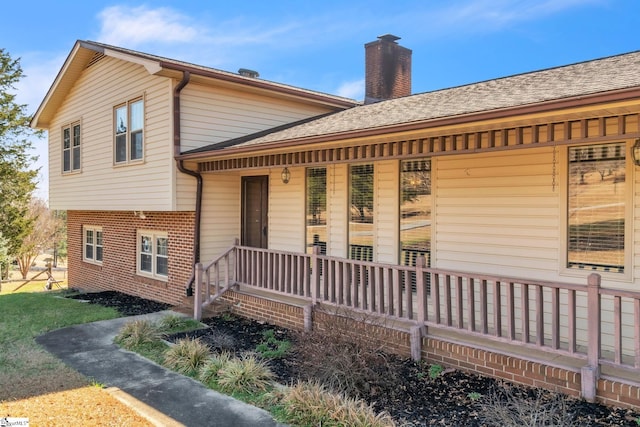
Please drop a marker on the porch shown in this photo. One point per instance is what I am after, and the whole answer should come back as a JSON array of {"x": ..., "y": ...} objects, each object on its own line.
[{"x": 584, "y": 329}]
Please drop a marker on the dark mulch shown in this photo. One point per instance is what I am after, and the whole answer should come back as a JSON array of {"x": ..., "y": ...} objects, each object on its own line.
[
  {"x": 127, "y": 305},
  {"x": 418, "y": 401}
]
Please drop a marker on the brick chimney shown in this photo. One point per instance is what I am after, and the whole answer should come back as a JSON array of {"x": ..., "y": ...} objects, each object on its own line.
[{"x": 387, "y": 69}]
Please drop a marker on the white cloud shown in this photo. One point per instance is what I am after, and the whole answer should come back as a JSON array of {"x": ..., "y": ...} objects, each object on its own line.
[
  {"x": 133, "y": 26},
  {"x": 354, "y": 89},
  {"x": 496, "y": 14}
]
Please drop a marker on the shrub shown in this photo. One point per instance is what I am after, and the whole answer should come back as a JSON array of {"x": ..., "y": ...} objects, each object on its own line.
[
  {"x": 533, "y": 409},
  {"x": 435, "y": 371},
  {"x": 247, "y": 374},
  {"x": 187, "y": 356},
  {"x": 137, "y": 333},
  {"x": 210, "y": 370},
  {"x": 172, "y": 324},
  {"x": 222, "y": 341},
  {"x": 272, "y": 347},
  {"x": 309, "y": 403},
  {"x": 346, "y": 356}
]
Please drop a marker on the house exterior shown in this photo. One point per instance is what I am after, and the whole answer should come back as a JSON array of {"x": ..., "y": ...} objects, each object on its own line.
[
  {"x": 498, "y": 220},
  {"x": 112, "y": 141}
]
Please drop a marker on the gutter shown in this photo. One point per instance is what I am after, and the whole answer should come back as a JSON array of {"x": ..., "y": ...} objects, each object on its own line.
[{"x": 186, "y": 76}]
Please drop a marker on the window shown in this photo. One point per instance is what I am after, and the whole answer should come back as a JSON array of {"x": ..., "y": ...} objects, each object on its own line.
[
  {"x": 92, "y": 244},
  {"x": 129, "y": 121},
  {"x": 71, "y": 148},
  {"x": 415, "y": 211},
  {"x": 153, "y": 254},
  {"x": 596, "y": 207},
  {"x": 317, "y": 209},
  {"x": 361, "y": 212}
]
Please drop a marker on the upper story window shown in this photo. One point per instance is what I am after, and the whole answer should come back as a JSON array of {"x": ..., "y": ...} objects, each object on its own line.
[
  {"x": 597, "y": 198},
  {"x": 92, "y": 244},
  {"x": 71, "y": 148},
  {"x": 153, "y": 254},
  {"x": 129, "y": 131}
]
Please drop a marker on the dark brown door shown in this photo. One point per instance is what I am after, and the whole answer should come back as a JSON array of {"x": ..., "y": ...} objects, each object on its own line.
[{"x": 255, "y": 201}]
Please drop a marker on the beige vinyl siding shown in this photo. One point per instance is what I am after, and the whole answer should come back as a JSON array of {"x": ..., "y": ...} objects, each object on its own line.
[
  {"x": 184, "y": 187},
  {"x": 386, "y": 201},
  {"x": 337, "y": 197},
  {"x": 220, "y": 214},
  {"x": 286, "y": 211},
  {"x": 100, "y": 185},
  {"x": 635, "y": 225},
  {"x": 212, "y": 115},
  {"x": 498, "y": 213}
]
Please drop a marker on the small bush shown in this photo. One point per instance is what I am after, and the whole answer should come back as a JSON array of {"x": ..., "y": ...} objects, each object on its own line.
[
  {"x": 173, "y": 324},
  {"x": 311, "y": 404},
  {"x": 187, "y": 356},
  {"x": 137, "y": 333},
  {"x": 535, "y": 409},
  {"x": 222, "y": 341},
  {"x": 247, "y": 374},
  {"x": 210, "y": 370},
  {"x": 435, "y": 371},
  {"x": 272, "y": 347},
  {"x": 346, "y": 356}
]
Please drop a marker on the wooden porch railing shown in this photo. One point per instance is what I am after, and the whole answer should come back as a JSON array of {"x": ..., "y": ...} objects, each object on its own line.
[{"x": 586, "y": 322}]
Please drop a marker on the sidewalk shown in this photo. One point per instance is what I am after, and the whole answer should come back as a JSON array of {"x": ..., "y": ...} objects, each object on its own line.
[{"x": 160, "y": 395}]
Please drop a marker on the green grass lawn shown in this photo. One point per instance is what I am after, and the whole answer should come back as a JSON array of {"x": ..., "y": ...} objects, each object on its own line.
[{"x": 25, "y": 368}]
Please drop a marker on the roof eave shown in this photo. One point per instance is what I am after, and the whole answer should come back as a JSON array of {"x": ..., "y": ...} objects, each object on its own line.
[
  {"x": 541, "y": 107},
  {"x": 291, "y": 91}
]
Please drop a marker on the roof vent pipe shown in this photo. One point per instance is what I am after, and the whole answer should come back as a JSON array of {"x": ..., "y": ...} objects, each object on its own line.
[{"x": 248, "y": 73}]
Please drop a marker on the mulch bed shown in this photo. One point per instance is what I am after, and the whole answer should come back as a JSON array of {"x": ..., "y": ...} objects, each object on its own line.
[{"x": 418, "y": 401}]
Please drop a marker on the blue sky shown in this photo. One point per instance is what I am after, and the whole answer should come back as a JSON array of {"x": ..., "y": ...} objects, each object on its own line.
[{"x": 319, "y": 45}]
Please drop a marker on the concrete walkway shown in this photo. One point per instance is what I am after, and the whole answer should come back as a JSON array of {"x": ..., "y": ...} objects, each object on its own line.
[{"x": 162, "y": 396}]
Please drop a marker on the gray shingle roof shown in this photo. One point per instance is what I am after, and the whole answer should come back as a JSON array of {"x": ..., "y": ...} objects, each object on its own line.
[
  {"x": 585, "y": 78},
  {"x": 168, "y": 61}
]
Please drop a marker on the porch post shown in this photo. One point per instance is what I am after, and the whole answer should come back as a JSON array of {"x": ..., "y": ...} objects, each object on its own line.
[
  {"x": 421, "y": 295},
  {"x": 197, "y": 299},
  {"x": 591, "y": 372},
  {"x": 315, "y": 274}
]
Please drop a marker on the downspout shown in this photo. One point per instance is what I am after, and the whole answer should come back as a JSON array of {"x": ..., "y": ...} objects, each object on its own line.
[{"x": 180, "y": 164}]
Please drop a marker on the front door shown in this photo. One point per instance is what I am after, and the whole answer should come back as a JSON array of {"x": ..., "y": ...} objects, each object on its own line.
[{"x": 255, "y": 198}]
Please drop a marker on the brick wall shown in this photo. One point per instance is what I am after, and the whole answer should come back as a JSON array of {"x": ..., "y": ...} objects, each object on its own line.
[
  {"x": 512, "y": 369},
  {"x": 118, "y": 269}
]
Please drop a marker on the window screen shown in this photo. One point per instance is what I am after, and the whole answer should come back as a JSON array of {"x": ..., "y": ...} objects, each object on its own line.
[
  {"x": 415, "y": 211},
  {"x": 361, "y": 212},
  {"x": 596, "y": 217},
  {"x": 316, "y": 212}
]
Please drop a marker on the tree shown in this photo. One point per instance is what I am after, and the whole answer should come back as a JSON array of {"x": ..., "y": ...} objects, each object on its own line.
[
  {"x": 5, "y": 259},
  {"x": 317, "y": 193},
  {"x": 362, "y": 191},
  {"x": 42, "y": 236},
  {"x": 17, "y": 180}
]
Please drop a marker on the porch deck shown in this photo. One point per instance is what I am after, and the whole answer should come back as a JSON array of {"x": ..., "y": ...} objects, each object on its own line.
[{"x": 560, "y": 324}]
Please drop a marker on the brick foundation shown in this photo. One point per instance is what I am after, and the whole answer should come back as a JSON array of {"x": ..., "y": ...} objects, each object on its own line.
[
  {"x": 118, "y": 269},
  {"x": 512, "y": 369}
]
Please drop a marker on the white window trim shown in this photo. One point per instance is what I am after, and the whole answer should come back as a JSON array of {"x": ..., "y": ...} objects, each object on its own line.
[
  {"x": 62, "y": 149},
  {"x": 154, "y": 234},
  {"x": 562, "y": 175},
  {"x": 95, "y": 245},
  {"x": 128, "y": 160}
]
